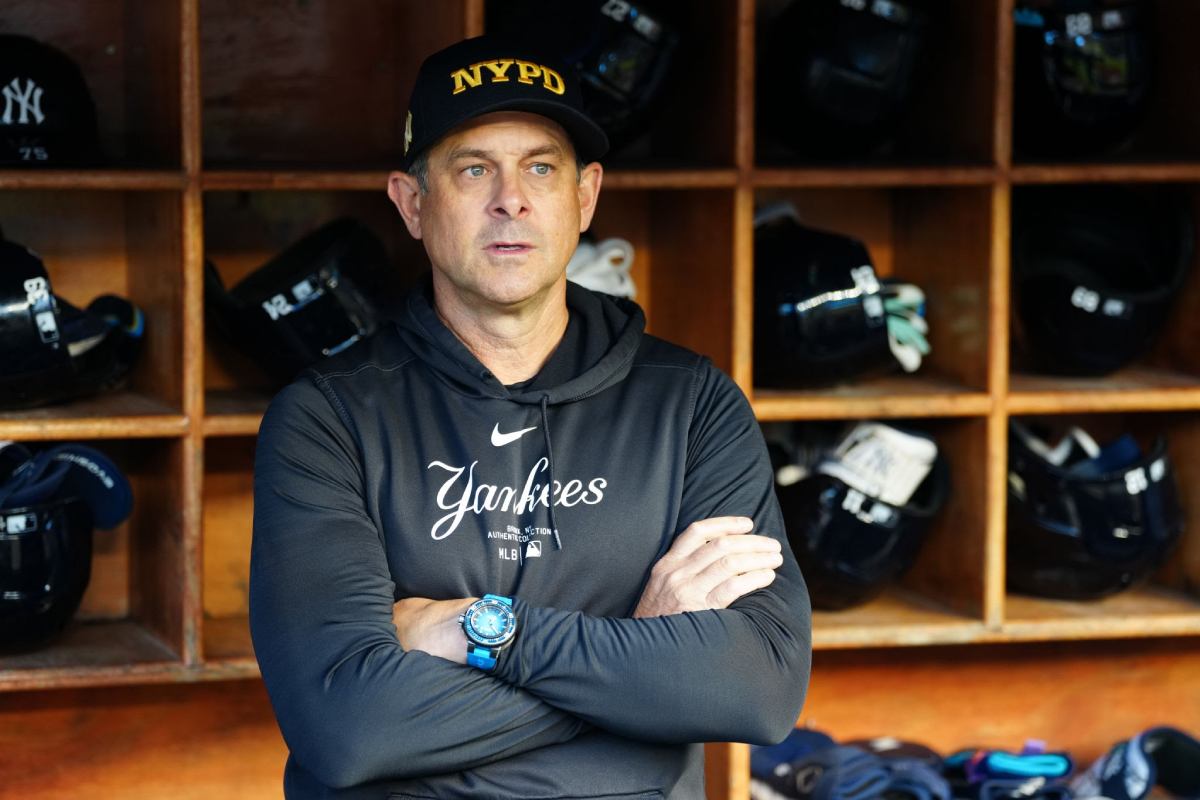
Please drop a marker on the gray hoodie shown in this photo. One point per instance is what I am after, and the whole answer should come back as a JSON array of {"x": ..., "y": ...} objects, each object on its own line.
[{"x": 404, "y": 468}]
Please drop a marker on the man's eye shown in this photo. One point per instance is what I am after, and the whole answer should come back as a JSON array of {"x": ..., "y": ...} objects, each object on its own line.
[
  {"x": 542, "y": 169},
  {"x": 476, "y": 171}
]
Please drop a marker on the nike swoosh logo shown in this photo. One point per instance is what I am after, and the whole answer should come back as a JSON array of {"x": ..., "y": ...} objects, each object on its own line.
[{"x": 500, "y": 439}]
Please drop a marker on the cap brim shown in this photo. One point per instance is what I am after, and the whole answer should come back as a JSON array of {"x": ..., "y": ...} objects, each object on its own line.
[
  {"x": 95, "y": 479},
  {"x": 589, "y": 139}
]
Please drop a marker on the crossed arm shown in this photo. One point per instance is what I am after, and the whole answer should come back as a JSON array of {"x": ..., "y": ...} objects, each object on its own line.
[
  {"x": 708, "y": 566},
  {"x": 358, "y": 698}
]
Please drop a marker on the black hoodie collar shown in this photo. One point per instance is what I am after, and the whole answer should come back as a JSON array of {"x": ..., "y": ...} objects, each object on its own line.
[{"x": 603, "y": 334}]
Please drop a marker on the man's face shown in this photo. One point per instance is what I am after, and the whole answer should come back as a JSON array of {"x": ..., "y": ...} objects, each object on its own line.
[{"x": 504, "y": 209}]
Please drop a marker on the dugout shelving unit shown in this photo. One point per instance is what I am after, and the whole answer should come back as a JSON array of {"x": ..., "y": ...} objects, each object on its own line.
[{"x": 234, "y": 127}]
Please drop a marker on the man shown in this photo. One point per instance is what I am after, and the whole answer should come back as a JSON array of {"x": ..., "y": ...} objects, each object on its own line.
[{"x": 595, "y": 502}]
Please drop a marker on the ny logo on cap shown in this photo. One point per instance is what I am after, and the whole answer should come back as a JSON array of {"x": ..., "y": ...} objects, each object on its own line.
[
  {"x": 28, "y": 101},
  {"x": 473, "y": 76}
]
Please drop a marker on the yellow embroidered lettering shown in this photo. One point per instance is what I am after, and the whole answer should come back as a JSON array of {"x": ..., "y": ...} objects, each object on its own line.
[
  {"x": 463, "y": 78},
  {"x": 498, "y": 68},
  {"x": 527, "y": 71},
  {"x": 553, "y": 81}
]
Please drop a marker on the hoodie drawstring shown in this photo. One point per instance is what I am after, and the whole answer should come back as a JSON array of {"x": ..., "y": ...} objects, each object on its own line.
[{"x": 550, "y": 462}]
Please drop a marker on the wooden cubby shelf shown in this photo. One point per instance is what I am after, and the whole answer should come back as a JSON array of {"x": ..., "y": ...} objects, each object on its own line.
[
  {"x": 1138, "y": 612},
  {"x": 233, "y": 412},
  {"x": 374, "y": 180},
  {"x": 95, "y": 653},
  {"x": 872, "y": 175},
  {"x": 230, "y": 134},
  {"x": 110, "y": 416},
  {"x": 1137, "y": 388},
  {"x": 132, "y": 180},
  {"x": 897, "y": 397},
  {"x": 1110, "y": 172}
]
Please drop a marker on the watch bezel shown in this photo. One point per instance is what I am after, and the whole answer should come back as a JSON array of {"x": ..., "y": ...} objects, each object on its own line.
[{"x": 477, "y": 608}]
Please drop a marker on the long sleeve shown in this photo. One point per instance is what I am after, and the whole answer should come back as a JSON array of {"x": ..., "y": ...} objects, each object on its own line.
[
  {"x": 736, "y": 674},
  {"x": 352, "y": 705}
]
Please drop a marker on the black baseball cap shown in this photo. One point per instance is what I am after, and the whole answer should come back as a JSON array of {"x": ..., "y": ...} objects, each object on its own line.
[
  {"x": 496, "y": 73},
  {"x": 47, "y": 116}
]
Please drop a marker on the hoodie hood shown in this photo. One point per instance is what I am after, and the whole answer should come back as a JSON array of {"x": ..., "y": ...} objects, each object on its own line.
[{"x": 603, "y": 334}]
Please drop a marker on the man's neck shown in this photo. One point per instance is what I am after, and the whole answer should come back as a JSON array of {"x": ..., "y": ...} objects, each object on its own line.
[{"x": 512, "y": 344}]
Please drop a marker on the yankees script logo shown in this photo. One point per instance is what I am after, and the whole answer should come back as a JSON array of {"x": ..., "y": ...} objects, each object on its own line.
[{"x": 481, "y": 497}]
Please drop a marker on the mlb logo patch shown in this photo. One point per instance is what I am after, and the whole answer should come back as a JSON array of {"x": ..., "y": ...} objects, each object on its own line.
[{"x": 533, "y": 550}]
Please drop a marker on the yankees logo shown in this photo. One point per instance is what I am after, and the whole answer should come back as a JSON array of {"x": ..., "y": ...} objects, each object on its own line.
[{"x": 27, "y": 101}]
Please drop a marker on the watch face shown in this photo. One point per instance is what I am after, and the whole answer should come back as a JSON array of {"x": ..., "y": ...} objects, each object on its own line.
[{"x": 490, "y": 623}]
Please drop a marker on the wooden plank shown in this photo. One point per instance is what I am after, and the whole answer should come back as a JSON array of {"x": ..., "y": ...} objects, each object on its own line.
[
  {"x": 996, "y": 451},
  {"x": 228, "y": 517},
  {"x": 188, "y": 743},
  {"x": 253, "y": 180},
  {"x": 1002, "y": 63},
  {"x": 727, "y": 771},
  {"x": 189, "y": 87},
  {"x": 1107, "y": 172},
  {"x": 1080, "y": 697},
  {"x": 1135, "y": 388},
  {"x": 873, "y": 176},
  {"x": 93, "y": 179},
  {"x": 106, "y": 416},
  {"x": 882, "y": 397},
  {"x": 376, "y": 180},
  {"x": 744, "y": 65},
  {"x": 473, "y": 18},
  {"x": 227, "y": 640},
  {"x": 743, "y": 290},
  {"x": 88, "y": 651},
  {"x": 899, "y": 616}
]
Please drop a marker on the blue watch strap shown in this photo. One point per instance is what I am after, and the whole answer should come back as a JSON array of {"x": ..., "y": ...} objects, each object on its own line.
[
  {"x": 506, "y": 600},
  {"x": 480, "y": 657}
]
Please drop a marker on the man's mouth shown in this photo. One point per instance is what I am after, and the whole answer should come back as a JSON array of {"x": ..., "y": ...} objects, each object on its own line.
[{"x": 509, "y": 248}]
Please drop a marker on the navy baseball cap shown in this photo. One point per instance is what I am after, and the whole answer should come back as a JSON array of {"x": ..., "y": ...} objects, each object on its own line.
[
  {"x": 494, "y": 73},
  {"x": 62, "y": 472}
]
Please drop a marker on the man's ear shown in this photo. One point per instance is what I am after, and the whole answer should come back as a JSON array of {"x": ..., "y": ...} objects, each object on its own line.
[
  {"x": 589, "y": 193},
  {"x": 405, "y": 194}
]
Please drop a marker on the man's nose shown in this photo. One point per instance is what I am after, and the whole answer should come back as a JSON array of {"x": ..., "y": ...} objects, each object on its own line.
[{"x": 510, "y": 199}]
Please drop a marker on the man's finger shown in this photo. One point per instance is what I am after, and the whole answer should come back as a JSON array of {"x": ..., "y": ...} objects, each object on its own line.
[
  {"x": 739, "y": 586},
  {"x": 702, "y": 531},
  {"x": 714, "y": 550},
  {"x": 731, "y": 565}
]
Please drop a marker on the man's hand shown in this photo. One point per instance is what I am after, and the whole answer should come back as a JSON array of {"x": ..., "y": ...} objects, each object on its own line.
[
  {"x": 711, "y": 564},
  {"x": 432, "y": 626}
]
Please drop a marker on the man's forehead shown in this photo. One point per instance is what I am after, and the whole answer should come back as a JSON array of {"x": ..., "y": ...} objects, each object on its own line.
[{"x": 512, "y": 132}]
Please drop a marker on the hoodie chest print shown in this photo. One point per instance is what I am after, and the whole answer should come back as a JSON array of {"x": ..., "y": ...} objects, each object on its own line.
[{"x": 502, "y": 500}]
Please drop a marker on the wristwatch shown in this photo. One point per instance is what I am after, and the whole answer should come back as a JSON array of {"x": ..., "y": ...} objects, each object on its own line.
[{"x": 490, "y": 626}]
